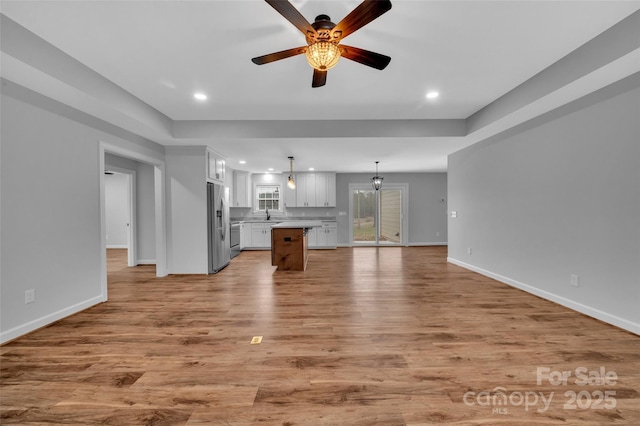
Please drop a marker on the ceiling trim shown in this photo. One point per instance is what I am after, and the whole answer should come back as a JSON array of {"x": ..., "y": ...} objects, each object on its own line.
[
  {"x": 618, "y": 41},
  {"x": 319, "y": 128}
]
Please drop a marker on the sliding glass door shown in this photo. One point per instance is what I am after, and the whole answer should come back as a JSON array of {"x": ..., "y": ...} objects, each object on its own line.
[{"x": 377, "y": 217}]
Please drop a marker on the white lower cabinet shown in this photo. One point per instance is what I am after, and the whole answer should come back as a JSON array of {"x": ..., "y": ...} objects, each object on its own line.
[
  {"x": 312, "y": 237},
  {"x": 245, "y": 235},
  {"x": 260, "y": 235},
  {"x": 325, "y": 236}
]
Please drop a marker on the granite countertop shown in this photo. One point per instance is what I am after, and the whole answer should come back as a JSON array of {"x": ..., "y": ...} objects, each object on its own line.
[
  {"x": 299, "y": 224},
  {"x": 280, "y": 219}
]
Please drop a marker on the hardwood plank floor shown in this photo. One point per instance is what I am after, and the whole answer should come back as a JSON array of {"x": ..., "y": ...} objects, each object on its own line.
[{"x": 364, "y": 336}]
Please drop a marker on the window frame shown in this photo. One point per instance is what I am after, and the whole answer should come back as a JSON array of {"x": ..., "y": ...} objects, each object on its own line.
[{"x": 257, "y": 199}]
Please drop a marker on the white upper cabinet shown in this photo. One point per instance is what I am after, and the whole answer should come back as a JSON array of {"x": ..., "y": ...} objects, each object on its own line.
[
  {"x": 289, "y": 195},
  {"x": 312, "y": 190},
  {"x": 215, "y": 167},
  {"x": 241, "y": 189},
  {"x": 306, "y": 188},
  {"x": 326, "y": 189}
]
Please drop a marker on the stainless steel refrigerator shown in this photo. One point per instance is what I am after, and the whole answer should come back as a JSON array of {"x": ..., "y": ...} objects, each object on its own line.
[{"x": 218, "y": 227}]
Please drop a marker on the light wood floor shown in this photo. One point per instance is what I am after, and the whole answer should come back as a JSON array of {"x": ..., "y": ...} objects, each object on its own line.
[{"x": 365, "y": 336}]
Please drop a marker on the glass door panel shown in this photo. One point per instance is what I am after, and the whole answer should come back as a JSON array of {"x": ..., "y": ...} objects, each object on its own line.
[
  {"x": 390, "y": 231},
  {"x": 364, "y": 216}
]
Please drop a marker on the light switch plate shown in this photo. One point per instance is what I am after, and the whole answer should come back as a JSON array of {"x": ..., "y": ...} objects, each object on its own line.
[
  {"x": 574, "y": 280},
  {"x": 29, "y": 296}
]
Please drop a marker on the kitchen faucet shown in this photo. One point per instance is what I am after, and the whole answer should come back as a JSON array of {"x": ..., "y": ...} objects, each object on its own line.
[{"x": 266, "y": 210}]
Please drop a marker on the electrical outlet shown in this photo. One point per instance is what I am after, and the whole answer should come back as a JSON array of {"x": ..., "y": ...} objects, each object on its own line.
[
  {"x": 574, "y": 280},
  {"x": 29, "y": 296},
  {"x": 256, "y": 340},
  {"x": 437, "y": 234},
  {"x": 469, "y": 250}
]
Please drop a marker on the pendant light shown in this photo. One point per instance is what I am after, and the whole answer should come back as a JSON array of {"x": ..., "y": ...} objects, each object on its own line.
[
  {"x": 376, "y": 181},
  {"x": 290, "y": 182}
]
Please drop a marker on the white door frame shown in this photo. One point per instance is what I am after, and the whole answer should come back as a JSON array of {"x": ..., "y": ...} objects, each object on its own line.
[
  {"x": 160, "y": 217},
  {"x": 404, "y": 187}
]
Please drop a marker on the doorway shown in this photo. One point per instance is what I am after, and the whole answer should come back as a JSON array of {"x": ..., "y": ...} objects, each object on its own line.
[
  {"x": 378, "y": 217},
  {"x": 119, "y": 203},
  {"x": 155, "y": 205}
]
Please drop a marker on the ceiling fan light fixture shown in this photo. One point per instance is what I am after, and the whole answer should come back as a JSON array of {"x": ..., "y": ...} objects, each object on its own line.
[{"x": 323, "y": 55}]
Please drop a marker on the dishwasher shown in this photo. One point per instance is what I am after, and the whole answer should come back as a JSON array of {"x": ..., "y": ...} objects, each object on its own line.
[{"x": 235, "y": 239}]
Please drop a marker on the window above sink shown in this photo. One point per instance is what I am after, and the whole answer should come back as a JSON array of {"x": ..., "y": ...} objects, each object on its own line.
[{"x": 268, "y": 197}]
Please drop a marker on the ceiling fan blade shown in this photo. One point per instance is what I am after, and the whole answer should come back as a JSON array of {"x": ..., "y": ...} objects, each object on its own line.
[
  {"x": 319, "y": 78},
  {"x": 283, "y": 54},
  {"x": 365, "y": 57},
  {"x": 366, "y": 12},
  {"x": 291, "y": 14}
]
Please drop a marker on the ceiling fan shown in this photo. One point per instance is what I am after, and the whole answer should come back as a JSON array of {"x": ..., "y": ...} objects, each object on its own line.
[{"x": 323, "y": 37}]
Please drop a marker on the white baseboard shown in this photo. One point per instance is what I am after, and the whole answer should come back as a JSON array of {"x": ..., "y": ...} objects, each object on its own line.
[
  {"x": 117, "y": 246},
  {"x": 30, "y": 326},
  {"x": 409, "y": 245},
  {"x": 146, "y": 262},
  {"x": 584, "y": 309}
]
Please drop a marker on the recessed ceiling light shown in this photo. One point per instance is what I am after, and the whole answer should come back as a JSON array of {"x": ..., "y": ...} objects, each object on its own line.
[
  {"x": 270, "y": 169},
  {"x": 200, "y": 96},
  {"x": 311, "y": 169},
  {"x": 432, "y": 95},
  {"x": 242, "y": 162}
]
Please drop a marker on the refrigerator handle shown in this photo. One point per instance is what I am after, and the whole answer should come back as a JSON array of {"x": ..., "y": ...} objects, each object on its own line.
[{"x": 223, "y": 231}]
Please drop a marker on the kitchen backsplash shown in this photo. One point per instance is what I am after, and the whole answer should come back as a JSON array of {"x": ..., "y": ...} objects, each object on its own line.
[{"x": 294, "y": 213}]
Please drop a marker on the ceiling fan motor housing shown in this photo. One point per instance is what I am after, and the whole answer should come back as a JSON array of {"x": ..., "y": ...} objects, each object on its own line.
[{"x": 323, "y": 27}]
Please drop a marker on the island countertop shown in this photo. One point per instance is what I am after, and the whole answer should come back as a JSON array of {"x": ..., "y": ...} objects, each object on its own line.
[{"x": 299, "y": 224}]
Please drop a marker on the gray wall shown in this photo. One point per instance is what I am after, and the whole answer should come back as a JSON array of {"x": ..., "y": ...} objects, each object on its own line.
[
  {"x": 427, "y": 214},
  {"x": 50, "y": 210},
  {"x": 187, "y": 250},
  {"x": 555, "y": 197},
  {"x": 116, "y": 210},
  {"x": 145, "y": 214},
  {"x": 50, "y": 215}
]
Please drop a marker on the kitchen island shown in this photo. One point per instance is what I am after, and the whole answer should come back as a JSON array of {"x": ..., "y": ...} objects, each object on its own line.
[{"x": 290, "y": 245}]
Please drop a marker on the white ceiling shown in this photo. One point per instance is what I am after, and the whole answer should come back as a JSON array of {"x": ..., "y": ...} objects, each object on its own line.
[{"x": 472, "y": 52}]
